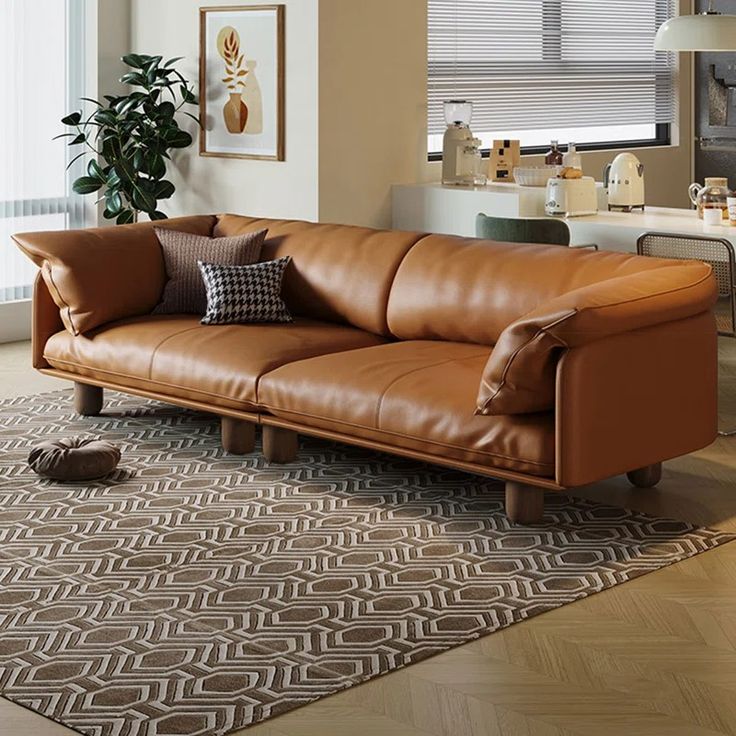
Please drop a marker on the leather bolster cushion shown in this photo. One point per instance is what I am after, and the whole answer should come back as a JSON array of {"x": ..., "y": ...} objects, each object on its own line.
[
  {"x": 520, "y": 374},
  {"x": 101, "y": 275}
]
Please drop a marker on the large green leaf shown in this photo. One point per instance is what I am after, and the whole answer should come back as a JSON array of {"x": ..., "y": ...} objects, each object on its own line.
[
  {"x": 72, "y": 119},
  {"x": 114, "y": 202},
  {"x": 87, "y": 185},
  {"x": 112, "y": 178},
  {"x": 137, "y": 61},
  {"x": 178, "y": 139},
  {"x": 164, "y": 189},
  {"x": 142, "y": 199},
  {"x": 125, "y": 217},
  {"x": 156, "y": 165},
  {"x": 134, "y": 78},
  {"x": 158, "y": 215},
  {"x": 106, "y": 117},
  {"x": 166, "y": 110},
  {"x": 95, "y": 171}
]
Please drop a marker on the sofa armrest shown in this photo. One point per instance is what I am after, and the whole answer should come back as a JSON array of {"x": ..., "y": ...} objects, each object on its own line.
[
  {"x": 100, "y": 275},
  {"x": 520, "y": 374},
  {"x": 635, "y": 399},
  {"x": 45, "y": 321}
]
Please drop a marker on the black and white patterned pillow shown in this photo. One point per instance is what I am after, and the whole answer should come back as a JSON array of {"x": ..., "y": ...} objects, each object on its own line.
[{"x": 241, "y": 294}]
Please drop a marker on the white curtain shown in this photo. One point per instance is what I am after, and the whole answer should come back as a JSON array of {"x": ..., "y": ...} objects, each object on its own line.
[{"x": 42, "y": 62}]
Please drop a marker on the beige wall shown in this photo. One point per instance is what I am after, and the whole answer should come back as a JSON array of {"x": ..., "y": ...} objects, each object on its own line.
[
  {"x": 267, "y": 188},
  {"x": 373, "y": 102},
  {"x": 355, "y": 113}
]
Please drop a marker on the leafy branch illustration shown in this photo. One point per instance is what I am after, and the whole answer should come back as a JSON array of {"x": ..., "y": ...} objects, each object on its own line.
[{"x": 233, "y": 63}]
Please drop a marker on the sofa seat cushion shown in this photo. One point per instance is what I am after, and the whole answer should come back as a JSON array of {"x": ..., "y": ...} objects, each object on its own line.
[
  {"x": 175, "y": 355},
  {"x": 419, "y": 395}
]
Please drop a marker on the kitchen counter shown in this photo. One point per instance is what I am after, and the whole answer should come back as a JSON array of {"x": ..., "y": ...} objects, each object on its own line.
[{"x": 452, "y": 210}]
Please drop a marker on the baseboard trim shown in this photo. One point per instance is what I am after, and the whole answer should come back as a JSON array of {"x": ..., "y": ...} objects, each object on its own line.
[{"x": 15, "y": 321}]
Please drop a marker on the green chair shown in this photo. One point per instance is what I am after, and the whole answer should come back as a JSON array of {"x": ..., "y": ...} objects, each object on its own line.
[{"x": 546, "y": 230}]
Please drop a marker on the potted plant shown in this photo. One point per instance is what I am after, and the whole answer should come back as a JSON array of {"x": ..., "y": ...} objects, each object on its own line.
[{"x": 131, "y": 137}]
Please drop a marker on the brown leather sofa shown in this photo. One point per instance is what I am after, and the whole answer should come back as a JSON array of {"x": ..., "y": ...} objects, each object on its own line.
[{"x": 547, "y": 367}]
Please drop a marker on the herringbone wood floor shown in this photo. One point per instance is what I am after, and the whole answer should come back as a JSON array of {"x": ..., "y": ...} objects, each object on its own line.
[{"x": 653, "y": 657}]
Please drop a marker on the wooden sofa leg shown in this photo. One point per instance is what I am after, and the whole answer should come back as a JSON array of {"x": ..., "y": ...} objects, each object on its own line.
[
  {"x": 280, "y": 445},
  {"x": 87, "y": 399},
  {"x": 524, "y": 503},
  {"x": 646, "y": 477},
  {"x": 238, "y": 436}
]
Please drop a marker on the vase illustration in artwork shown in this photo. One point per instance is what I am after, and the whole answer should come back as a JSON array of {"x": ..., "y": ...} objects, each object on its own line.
[
  {"x": 253, "y": 100},
  {"x": 235, "y": 113}
]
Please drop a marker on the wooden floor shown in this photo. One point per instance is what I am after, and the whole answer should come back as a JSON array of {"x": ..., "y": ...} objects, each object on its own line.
[{"x": 656, "y": 656}]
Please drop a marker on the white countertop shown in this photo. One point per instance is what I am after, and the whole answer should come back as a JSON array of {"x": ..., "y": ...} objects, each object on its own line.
[
  {"x": 665, "y": 219},
  {"x": 434, "y": 207}
]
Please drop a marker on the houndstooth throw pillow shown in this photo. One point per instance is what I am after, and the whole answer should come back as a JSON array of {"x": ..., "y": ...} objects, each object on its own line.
[
  {"x": 240, "y": 294},
  {"x": 184, "y": 292}
]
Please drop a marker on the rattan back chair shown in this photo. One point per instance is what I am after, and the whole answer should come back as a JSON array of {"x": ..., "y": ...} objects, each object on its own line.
[{"x": 718, "y": 253}]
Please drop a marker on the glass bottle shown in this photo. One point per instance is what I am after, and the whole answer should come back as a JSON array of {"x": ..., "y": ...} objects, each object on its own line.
[
  {"x": 554, "y": 155},
  {"x": 572, "y": 159}
]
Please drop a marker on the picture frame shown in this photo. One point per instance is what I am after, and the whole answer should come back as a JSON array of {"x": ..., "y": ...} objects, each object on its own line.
[{"x": 242, "y": 81}]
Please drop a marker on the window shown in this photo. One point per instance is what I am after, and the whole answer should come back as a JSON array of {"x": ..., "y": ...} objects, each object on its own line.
[
  {"x": 42, "y": 80},
  {"x": 537, "y": 70}
]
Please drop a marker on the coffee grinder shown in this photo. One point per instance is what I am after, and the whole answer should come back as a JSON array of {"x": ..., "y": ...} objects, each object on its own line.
[{"x": 460, "y": 149}]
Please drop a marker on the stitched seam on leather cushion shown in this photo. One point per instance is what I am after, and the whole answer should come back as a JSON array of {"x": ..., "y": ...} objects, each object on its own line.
[
  {"x": 542, "y": 330},
  {"x": 377, "y": 418},
  {"x": 648, "y": 296},
  {"x": 169, "y": 337},
  {"x": 272, "y": 409},
  {"x": 150, "y": 380},
  {"x": 48, "y": 272}
]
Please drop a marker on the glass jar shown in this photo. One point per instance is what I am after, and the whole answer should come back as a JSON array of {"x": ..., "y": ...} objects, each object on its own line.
[{"x": 714, "y": 195}]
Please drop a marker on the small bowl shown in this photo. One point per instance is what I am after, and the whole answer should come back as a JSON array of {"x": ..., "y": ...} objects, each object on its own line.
[{"x": 535, "y": 176}]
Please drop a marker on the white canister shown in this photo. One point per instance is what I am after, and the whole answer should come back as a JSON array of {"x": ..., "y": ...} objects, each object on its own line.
[{"x": 713, "y": 216}]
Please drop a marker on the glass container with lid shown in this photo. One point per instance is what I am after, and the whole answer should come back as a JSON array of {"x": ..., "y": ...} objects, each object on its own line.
[
  {"x": 714, "y": 195},
  {"x": 458, "y": 112}
]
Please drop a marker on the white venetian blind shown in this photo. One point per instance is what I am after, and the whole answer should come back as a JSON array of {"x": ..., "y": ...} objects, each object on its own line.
[
  {"x": 42, "y": 62},
  {"x": 532, "y": 64}
]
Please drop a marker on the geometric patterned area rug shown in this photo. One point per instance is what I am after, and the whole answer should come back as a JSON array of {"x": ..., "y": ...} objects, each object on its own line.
[{"x": 196, "y": 593}]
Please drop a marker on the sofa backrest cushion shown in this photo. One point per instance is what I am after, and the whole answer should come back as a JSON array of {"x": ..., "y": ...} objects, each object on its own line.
[
  {"x": 469, "y": 290},
  {"x": 337, "y": 273},
  {"x": 101, "y": 275}
]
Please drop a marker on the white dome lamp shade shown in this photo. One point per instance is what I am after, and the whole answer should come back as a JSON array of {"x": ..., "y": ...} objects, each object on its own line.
[{"x": 709, "y": 31}]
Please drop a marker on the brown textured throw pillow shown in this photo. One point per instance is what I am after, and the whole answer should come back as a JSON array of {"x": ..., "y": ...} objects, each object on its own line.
[{"x": 184, "y": 292}]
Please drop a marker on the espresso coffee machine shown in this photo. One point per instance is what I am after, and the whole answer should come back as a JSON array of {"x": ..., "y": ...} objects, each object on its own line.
[{"x": 460, "y": 150}]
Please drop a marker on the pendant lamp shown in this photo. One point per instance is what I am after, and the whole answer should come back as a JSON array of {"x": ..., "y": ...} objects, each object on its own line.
[{"x": 709, "y": 31}]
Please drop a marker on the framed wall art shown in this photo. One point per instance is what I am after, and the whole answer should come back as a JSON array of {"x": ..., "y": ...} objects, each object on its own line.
[{"x": 241, "y": 81}]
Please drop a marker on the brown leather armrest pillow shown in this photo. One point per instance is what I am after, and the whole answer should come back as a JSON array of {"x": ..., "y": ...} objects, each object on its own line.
[
  {"x": 519, "y": 377},
  {"x": 101, "y": 275}
]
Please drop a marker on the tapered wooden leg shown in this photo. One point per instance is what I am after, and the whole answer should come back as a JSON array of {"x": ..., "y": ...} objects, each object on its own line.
[
  {"x": 646, "y": 477},
  {"x": 280, "y": 445},
  {"x": 524, "y": 503},
  {"x": 238, "y": 436},
  {"x": 87, "y": 399}
]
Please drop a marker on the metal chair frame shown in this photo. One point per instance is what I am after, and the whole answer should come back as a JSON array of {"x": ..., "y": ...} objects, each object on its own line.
[{"x": 725, "y": 275}]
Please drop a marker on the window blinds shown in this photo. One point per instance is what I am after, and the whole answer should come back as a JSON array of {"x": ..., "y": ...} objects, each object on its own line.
[{"x": 532, "y": 64}]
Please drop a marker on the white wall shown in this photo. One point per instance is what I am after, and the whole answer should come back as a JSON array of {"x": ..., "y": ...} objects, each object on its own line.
[
  {"x": 266, "y": 188},
  {"x": 355, "y": 115}
]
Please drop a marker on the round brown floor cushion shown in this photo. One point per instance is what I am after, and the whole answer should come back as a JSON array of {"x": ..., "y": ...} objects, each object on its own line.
[{"x": 76, "y": 458}]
